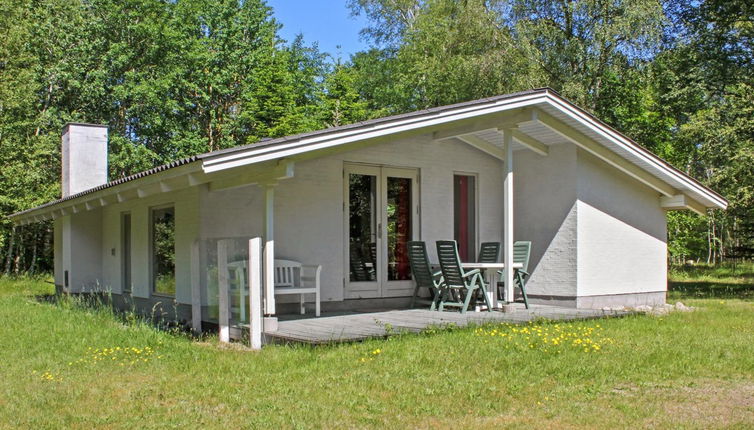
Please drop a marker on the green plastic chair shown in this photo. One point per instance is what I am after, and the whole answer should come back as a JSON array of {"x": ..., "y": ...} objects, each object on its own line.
[
  {"x": 489, "y": 252},
  {"x": 458, "y": 280},
  {"x": 358, "y": 260},
  {"x": 421, "y": 273},
  {"x": 521, "y": 254}
]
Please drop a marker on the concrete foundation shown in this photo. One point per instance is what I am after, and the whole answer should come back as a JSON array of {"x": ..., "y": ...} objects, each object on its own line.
[{"x": 630, "y": 300}]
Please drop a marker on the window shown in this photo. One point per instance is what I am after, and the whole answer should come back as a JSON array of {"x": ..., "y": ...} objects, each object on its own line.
[
  {"x": 125, "y": 230},
  {"x": 398, "y": 227},
  {"x": 362, "y": 222},
  {"x": 464, "y": 215},
  {"x": 163, "y": 250}
]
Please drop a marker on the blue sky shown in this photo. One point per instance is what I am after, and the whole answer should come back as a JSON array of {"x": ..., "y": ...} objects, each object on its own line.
[{"x": 327, "y": 22}]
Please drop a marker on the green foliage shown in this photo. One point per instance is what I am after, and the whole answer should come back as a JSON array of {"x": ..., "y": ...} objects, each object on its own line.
[
  {"x": 177, "y": 78},
  {"x": 687, "y": 237},
  {"x": 441, "y": 52},
  {"x": 163, "y": 244},
  {"x": 580, "y": 45},
  {"x": 341, "y": 102}
]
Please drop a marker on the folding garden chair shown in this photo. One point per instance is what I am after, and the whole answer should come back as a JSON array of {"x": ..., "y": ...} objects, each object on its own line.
[
  {"x": 421, "y": 272},
  {"x": 456, "y": 279},
  {"x": 521, "y": 254},
  {"x": 489, "y": 252}
]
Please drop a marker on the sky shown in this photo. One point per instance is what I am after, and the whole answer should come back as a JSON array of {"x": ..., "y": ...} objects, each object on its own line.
[{"x": 327, "y": 22}]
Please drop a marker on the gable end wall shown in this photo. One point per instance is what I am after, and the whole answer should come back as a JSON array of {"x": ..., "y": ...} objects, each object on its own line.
[{"x": 622, "y": 238}]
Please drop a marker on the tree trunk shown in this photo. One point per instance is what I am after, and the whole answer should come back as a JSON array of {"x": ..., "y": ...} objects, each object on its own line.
[
  {"x": 9, "y": 256},
  {"x": 47, "y": 246},
  {"x": 35, "y": 241},
  {"x": 709, "y": 240},
  {"x": 18, "y": 260},
  {"x": 714, "y": 243}
]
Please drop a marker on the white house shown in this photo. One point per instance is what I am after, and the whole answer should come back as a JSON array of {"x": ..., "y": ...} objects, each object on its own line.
[{"x": 524, "y": 166}]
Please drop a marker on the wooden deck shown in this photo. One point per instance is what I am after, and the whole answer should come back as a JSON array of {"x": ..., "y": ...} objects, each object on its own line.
[{"x": 358, "y": 326}]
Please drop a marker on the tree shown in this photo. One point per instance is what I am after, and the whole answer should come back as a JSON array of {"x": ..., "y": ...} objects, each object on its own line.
[
  {"x": 341, "y": 103},
  {"x": 724, "y": 136},
  {"x": 443, "y": 51},
  {"x": 706, "y": 85},
  {"x": 581, "y": 44}
]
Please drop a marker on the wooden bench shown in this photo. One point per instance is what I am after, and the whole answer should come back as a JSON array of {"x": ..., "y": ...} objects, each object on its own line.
[{"x": 292, "y": 277}]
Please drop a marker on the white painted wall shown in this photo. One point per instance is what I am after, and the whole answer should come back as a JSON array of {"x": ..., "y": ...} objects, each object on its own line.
[
  {"x": 140, "y": 243},
  {"x": 621, "y": 233},
  {"x": 81, "y": 234},
  {"x": 112, "y": 255},
  {"x": 57, "y": 250},
  {"x": 309, "y": 225},
  {"x": 187, "y": 217},
  {"x": 65, "y": 244},
  {"x": 545, "y": 196},
  {"x": 186, "y": 203}
]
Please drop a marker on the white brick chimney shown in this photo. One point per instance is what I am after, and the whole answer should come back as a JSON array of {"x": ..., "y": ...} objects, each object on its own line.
[{"x": 84, "y": 157}]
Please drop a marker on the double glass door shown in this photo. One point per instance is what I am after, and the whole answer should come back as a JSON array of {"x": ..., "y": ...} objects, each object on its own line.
[{"x": 381, "y": 214}]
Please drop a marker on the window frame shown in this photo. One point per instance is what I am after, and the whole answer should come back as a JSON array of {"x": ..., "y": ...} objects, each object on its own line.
[
  {"x": 474, "y": 235},
  {"x": 152, "y": 278}
]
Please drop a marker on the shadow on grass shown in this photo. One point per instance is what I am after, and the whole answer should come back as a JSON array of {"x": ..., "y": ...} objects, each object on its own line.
[{"x": 710, "y": 290}]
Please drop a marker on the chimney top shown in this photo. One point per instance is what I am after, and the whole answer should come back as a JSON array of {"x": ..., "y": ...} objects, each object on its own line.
[
  {"x": 81, "y": 124},
  {"x": 84, "y": 157}
]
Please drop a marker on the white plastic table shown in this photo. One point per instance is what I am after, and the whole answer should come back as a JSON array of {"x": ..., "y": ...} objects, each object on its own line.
[{"x": 491, "y": 270}]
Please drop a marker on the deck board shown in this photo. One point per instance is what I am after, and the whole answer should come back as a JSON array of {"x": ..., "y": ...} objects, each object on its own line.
[{"x": 360, "y": 326}]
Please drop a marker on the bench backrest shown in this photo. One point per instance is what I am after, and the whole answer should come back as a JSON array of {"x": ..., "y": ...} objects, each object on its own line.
[{"x": 287, "y": 273}]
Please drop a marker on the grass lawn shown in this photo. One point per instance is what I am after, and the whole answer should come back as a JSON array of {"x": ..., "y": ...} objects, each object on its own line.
[
  {"x": 691, "y": 370},
  {"x": 725, "y": 281}
]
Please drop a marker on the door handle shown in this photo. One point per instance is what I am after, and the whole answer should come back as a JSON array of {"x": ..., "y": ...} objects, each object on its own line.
[{"x": 379, "y": 231}]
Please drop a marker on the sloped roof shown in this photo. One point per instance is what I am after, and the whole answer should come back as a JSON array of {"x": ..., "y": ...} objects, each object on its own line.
[{"x": 544, "y": 98}]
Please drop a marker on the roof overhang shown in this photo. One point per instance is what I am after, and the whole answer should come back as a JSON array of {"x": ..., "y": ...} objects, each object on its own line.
[
  {"x": 530, "y": 116},
  {"x": 536, "y": 119}
]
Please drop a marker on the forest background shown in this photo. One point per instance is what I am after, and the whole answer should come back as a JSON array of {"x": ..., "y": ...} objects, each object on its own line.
[{"x": 177, "y": 78}]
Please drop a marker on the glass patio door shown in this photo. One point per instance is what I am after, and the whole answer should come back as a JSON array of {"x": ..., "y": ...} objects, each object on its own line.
[{"x": 381, "y": 216}]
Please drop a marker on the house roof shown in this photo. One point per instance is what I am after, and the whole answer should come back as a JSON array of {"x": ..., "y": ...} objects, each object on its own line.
[{"x": 545, "y": 100}]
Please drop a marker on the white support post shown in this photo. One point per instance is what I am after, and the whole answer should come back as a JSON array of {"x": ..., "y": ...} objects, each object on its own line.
[
  {"x": 196, "y": 293},
  {"x": 269, "y": 250},
  {"x": 255, "y": 292},
  {"x": 508, "y": 214},
  {"x": 222, "y": 288}
]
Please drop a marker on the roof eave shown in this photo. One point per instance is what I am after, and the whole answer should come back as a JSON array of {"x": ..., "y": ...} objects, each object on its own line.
[
  {"x": 97, "y": 196},
  {"x": 714, "y": 199}
]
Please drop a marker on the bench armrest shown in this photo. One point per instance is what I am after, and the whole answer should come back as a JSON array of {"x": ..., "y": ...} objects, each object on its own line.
[{"x": 310, "y": 275}]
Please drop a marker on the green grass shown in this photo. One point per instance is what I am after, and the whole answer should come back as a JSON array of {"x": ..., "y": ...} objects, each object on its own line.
[
  {"x": 692, "y": 370},
  {"x": 721, "y": 281}
]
